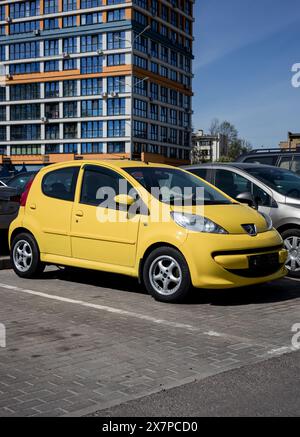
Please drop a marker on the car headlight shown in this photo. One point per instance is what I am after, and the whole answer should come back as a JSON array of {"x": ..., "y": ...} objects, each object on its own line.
[
  {"x": 268, "y": 220},
  {"x": 197, "y": 223}
]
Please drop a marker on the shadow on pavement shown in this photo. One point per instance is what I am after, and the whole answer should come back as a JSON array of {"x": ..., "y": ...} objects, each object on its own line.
[{"x": 277, "y": 291}]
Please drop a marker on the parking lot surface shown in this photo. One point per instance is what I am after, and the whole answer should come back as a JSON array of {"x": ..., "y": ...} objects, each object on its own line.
[{"x": 81, "y": 341}]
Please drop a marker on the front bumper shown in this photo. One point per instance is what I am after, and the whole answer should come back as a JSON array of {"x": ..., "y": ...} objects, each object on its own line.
[{"x": 229, "y": 261}]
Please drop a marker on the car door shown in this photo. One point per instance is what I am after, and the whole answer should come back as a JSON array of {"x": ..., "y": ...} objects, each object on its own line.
[
  {"x": 50, "y": 209},
  {"x": 103, "y": 232}
]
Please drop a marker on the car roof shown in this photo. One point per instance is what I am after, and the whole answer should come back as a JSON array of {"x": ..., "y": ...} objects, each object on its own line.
[
  {"x": 240, "y": 165},
  {"x": 121, "y": 164}
]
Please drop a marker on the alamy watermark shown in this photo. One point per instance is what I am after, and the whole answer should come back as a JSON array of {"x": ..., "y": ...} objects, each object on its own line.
[
  {"x": 296, "y": 336},
  {"x": 296, "y": 75},
  {"x": 2, "y": 335}
]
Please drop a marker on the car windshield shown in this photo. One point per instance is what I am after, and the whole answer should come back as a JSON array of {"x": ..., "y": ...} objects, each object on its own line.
[
  {"x": 173, "y": 185},
  {"x": 283, "y": 181}
]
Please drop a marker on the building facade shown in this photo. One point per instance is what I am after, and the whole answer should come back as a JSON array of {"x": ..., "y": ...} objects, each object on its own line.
[
  {"x": 293, "y": 142},
  {"x": 208, "y": 147},
  {"x": 95, "y": 79}
]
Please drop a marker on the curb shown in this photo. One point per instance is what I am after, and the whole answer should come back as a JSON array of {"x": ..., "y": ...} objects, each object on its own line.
[{"x": 5, "y": 263}]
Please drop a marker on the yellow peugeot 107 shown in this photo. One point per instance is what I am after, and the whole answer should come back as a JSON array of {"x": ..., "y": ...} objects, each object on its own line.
[{"x": 161, "y": 224}]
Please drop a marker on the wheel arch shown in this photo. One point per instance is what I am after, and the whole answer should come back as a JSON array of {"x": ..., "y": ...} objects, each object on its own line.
[
  {"x": 20, "y": 230},
  {"x": 147, "y": 253},
  {"x": 288, "y": 226}
]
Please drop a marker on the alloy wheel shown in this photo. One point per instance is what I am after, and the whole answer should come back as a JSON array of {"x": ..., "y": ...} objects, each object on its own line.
[
  {"x": 22, "y": 256},
  {"x": 292, "y": 244},
  {"x": 165, "y": 275}
]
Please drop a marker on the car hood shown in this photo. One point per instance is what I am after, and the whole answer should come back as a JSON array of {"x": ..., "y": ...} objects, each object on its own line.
[{"x": 231, "y": 217}]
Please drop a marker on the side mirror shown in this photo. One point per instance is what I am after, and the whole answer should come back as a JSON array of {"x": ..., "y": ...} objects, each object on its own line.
[
  {"x": 248, "y": 199},
  {"x": 124, "y": 199}
]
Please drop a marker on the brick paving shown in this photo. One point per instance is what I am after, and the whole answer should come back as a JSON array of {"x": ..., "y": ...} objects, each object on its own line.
[{"x": 64, "y": 358}]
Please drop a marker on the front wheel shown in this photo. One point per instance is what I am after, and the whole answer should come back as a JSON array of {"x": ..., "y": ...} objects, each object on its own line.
[
  {"x": 25, "y": 256},
  {"x": 166, "y": 275},
  {"x": 291, "y": 238}
]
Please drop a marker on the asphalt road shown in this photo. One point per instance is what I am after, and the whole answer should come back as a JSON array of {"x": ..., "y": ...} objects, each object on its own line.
[
  {"x": 270, "y": 388},
  {"x": 79, "y": 342}
]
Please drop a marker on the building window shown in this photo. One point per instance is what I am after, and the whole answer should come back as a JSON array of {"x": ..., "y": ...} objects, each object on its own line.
[
  {"x": 25, "y": 112},
  {"x": 70, "y": 88},
  {"x": 116, "y": 15},
  {"x": 91, "y": 148},
  {"x": 51, "y": 89},
  {"x": 70, "y": 130},
  {"x": 91, "y": 87},
  {"x": 116, "y": 106},
  {"x": 91, "y": 64},
  {"x": 91, "y": 108},
  {"x": 70, "y": 109},
  {"x": 52, "y": 131},
  {"x": 92, "y": 129},
  {"x": 25, "y": 132},
  {"x": 51, "y": 65},
  {"x": 52, "y": 148},
  {"x": 33, "y": 149},
  {"x": 28, "y": 91},
  {"x": 50, "y": 6},
  {"x": 116, "y": 84},
  {"x": 116, "y": 128},
  {"x": 51, "y": 47},
  {"x": 116, "y": 147},
  {"x": 70, "y": 148},
  {"x": 94, "y": 18},
  {"x": 115, "y": 40},
  {"x": 70, "y": 45},
  {"x": 117, "y": 59},
  {"x": 91, "y": 43}
]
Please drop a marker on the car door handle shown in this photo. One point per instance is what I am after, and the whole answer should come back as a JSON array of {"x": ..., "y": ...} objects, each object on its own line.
[
  {"x": 79, "y": 214},
  {"x": 33, "y": 206}
]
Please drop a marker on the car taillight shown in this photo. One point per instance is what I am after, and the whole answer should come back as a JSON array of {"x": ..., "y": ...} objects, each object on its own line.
[{"x": 25, "y": 193}]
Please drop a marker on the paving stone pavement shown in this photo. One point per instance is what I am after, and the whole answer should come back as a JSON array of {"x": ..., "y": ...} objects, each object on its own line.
[{"x": 64, "y": 358}]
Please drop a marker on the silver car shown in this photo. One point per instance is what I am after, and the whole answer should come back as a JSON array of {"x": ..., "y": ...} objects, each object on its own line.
[{"x": 272, "y": 190}]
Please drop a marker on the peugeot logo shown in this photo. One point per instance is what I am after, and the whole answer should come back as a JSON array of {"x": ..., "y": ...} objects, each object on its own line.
[{"x": 251, "y": 229}]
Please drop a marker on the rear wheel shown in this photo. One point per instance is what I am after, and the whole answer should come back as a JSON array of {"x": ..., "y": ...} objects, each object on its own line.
[
  {"x": 25, "y": 256},
  {"x": 166, "y": 275},
  {"x": 291, "y": 238}
]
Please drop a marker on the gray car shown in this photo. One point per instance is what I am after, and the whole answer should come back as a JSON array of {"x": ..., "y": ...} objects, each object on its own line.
[
  {"x": 272, "y": 190},
  {"x": 10, "y": 197}
]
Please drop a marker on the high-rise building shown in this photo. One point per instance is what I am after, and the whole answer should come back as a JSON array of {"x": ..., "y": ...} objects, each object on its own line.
[{"x": 95, "y": 79}]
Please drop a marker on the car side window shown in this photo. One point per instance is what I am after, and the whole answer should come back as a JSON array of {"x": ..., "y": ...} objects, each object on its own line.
[
  {"x": 61, "y": 184},
  {"x": 231, "y": 183},
  {"x": 201, "y": 172},
  {"x": 267, "y": 160},
  {"x": 100, "y": 185},
  {"x": 261, "y": 197},
  {"x": 295, "y": 167},
  {"x": 285, "y": 162}
]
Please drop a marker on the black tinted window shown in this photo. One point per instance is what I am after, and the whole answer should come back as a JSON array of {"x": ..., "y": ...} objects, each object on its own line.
[
  {"x": 99, "y": 184},
  {"x": 61, "y": 184},
  {"x": 201, "y": 172},
  {"x": 267, "y": 160},
  {"x": 232, "y": 183}
]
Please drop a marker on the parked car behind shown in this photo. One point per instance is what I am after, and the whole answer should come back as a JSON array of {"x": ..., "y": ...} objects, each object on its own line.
[
  {"x": 10, "y": 197},
  {"x": 140, "y": 232},
  {"x": 286, "y": 159},
  {"x": 275, "y": 191}
]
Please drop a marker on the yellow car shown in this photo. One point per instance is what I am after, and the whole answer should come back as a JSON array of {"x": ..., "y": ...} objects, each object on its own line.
[{"x": 157, "y": 223}]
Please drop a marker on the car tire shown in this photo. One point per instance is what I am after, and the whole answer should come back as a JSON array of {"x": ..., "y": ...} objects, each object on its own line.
[
  {"x": 166, "y": 275},
  {"x": 291, "y": 238},
  {"x": 25, "y": 256}
]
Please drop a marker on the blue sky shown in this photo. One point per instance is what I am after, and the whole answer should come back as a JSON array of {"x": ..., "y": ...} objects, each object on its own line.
[{"x": 244, "y": 52}]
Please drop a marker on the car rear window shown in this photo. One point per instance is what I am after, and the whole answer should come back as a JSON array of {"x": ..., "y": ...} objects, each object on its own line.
[{"x": 61, "y": 184}]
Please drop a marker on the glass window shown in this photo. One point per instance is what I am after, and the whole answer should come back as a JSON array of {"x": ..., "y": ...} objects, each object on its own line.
[
  {"x": 95, "y": 179},
  {"x": 61, "y": 183},
  {"x": 232, "y": 183},
  {"x": 170, "y": 186}
]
